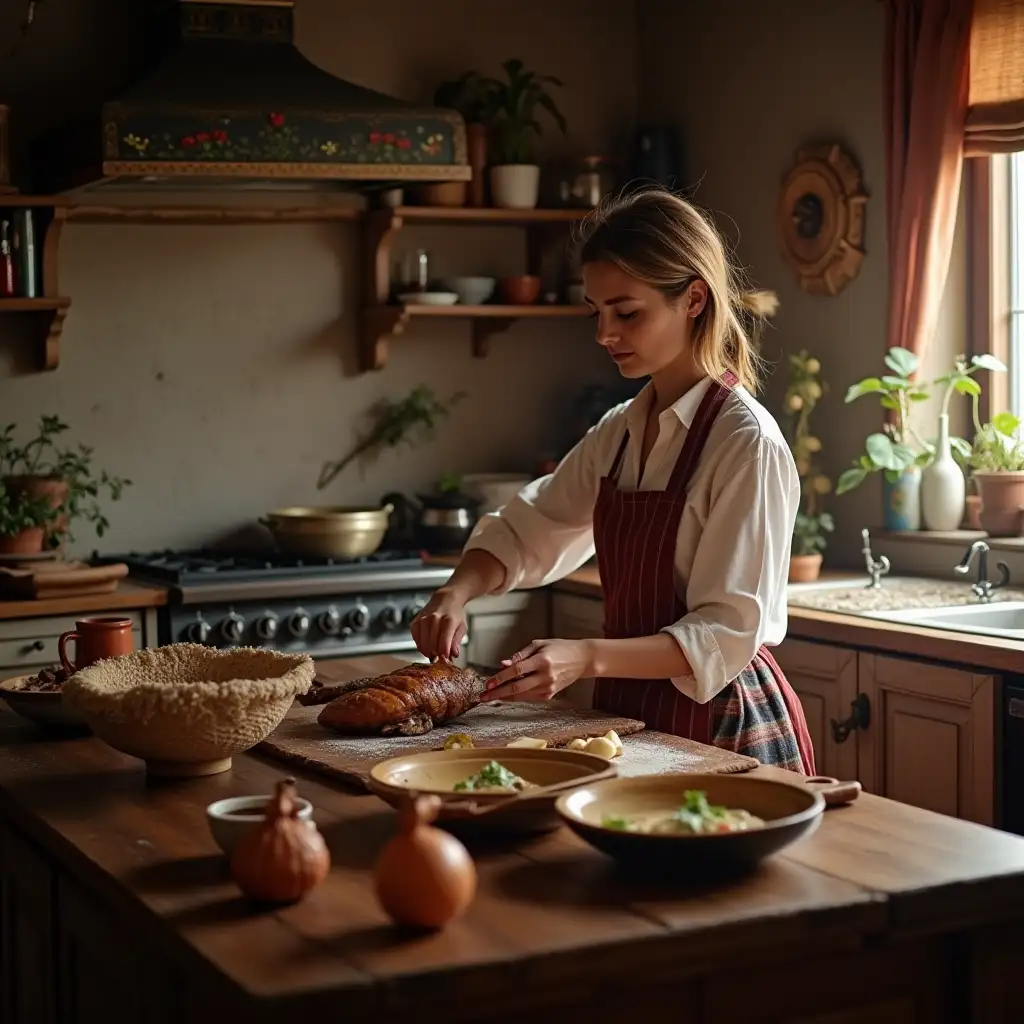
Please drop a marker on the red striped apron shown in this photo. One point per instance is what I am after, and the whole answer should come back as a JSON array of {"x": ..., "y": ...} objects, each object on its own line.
[{"x": 635, "y": 534}]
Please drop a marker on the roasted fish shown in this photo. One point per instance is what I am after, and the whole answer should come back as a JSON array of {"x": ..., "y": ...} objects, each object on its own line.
[{"x": 409, "y": 701}]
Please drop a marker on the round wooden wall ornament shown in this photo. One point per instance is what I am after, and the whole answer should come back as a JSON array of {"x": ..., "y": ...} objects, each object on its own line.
[{"x": 821, "y": 219}]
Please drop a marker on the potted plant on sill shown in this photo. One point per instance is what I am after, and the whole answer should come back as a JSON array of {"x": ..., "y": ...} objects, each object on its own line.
[
  {"x": 513, "y": 103},
  {"x": 812, "y": 522},
  {"x": 23, "y": 522},
  {"x": 892, "y": 452},
  {"x": 997, "y": 464},
  {"x": 470, "y": 95},
  {"x": 943, "y": 487},
  {"x": 63, "y": 478}
]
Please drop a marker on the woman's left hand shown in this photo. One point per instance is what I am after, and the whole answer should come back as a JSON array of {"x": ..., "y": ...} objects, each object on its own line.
[{"x": 540, "y": 670}]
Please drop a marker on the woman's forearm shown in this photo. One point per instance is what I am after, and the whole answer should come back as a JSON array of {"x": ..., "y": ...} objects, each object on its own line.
[
  {"x": 478, "y": 573},
  {"x": 642, "y": 657}
]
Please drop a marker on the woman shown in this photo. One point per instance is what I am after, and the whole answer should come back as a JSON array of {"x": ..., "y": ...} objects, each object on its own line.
[{"x": 688, "y": 493}]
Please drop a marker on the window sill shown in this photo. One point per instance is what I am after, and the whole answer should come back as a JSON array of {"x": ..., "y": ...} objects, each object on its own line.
[{"x": 959, "y": 539}]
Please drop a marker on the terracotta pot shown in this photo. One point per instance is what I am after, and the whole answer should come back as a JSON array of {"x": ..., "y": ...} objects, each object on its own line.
[
  {"x": 476, "y": 146},
  {"x": 96, "y": 639},
  {"x": 52, "y": 488},
  {"x": 804, "y": 568},
  {"x": 1002, "y": 502},
  {"x": 973, "y": 516},
  {"x": 28, "y": 542},
  {"x": 521, "y": 290},
  {"x": 443, "y": 193}
]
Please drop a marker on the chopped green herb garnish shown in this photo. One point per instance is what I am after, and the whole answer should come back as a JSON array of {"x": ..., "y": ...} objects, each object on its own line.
[
  {"x": 491, "y": 775},
  {"x": 619, "y": 824}
]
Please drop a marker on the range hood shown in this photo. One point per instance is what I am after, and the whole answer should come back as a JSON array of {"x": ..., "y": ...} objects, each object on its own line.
[{"x": 229, "y": 102}]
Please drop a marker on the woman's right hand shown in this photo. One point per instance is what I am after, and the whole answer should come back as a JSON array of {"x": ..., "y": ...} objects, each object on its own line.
[{"x": 440, "y": 628}]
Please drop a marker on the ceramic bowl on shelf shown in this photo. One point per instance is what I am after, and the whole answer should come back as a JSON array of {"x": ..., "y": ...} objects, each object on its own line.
[
  {"x": 472, "y": 291},
  {"x": 520, "y": 290},
  {"x": 185, "y": 709},
  {"x": 232, "y": 818},
  {"x": 429, "y": 298}
]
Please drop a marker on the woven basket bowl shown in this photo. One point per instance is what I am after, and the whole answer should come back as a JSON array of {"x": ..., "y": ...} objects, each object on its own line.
[{"x": 184, "y": 709}]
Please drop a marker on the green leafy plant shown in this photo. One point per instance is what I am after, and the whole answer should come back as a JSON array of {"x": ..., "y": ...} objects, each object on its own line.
[
  {"x": 469, "y": 94},
  {"x": 512, "y": 107},
  {"x": 997, "y": 447},
  {"x": 408, "y": 420},
  {"x": 20, "y": 512},
  {"x": 890, "y": 451},
  {"x": 42, "y": 456},
  {"x": 803, "y": 393},
  {"x": 960, "y": 380},
  {"x": 449, "y": 483}
]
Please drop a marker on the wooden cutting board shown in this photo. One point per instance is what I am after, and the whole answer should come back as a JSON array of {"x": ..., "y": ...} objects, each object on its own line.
[
  {"x": 299, "y": 740},
  {"x": 40, "y": 581}
]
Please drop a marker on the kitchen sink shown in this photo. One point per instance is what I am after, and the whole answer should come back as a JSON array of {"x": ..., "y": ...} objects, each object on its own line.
[{"x": 1000, "y": 618}]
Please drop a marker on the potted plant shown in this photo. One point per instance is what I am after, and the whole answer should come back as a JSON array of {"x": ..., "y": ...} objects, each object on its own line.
[
  {"x": 943, "y": 488},
  {"x": 812, "y": 522},
  {"x": 62, "y": 478},
  {"x": 23, "y": 522},
  {"x": 513, "y": 103},
  {"x": 897, "y": 452},
  {"x": 470, "y": 95},
  {"x": 997, "y": 464}
]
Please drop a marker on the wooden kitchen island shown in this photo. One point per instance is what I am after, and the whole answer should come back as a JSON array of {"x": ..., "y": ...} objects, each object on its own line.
[{"x": 116, "y": 907}]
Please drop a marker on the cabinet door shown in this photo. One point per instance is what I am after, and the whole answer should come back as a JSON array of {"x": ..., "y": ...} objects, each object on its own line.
[
  {"x": 825, "y": 679},
  {"x": 577, "y": 618},
  {"x": 931, "y": 742},
  {"x": 499, "y": 626}
]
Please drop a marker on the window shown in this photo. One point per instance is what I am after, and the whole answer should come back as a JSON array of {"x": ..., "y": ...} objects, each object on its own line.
[{"x": 1016, "y": 290}]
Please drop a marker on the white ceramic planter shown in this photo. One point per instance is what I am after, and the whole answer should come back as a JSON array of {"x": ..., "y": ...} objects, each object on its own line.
[
  {"x": 943, "y": 488},
  {"x": 515, "y": 186}
]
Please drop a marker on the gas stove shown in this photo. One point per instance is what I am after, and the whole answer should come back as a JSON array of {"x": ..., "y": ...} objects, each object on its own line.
[{"x": 322, "y": 607}]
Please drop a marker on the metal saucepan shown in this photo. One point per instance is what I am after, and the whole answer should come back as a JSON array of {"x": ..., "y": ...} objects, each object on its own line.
[{"x": 333, "y": 531}]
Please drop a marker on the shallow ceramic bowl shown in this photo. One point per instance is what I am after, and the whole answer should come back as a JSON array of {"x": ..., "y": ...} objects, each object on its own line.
[
  {"x": 185, "y": 709},
  {"x": 429, "y": 298},
  {"x": 231, "y": 819},
  {"x": 437, "y": 771},
  {"x": 790, "y": 811},
  {"x": 472, "y": 291},
  {"x": 44, "y": 707}
]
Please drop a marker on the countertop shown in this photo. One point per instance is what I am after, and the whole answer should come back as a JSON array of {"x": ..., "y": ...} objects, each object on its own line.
[
  {"x": 553, "y": 923},
  {"x": 848, "y": 630},
  {"x": 129, "y": 595}
]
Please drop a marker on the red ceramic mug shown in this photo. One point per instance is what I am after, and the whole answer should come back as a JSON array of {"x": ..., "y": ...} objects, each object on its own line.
[{"x": 96, "y": 639}]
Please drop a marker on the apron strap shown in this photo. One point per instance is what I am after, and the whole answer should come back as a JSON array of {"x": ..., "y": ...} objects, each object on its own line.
[{"x": 700, "y": 428}]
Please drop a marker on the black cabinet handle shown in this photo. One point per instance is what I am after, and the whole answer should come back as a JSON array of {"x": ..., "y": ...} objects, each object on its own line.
[
  {"x": 36, "y": 645},
  {"x": 860, "y": 718}
]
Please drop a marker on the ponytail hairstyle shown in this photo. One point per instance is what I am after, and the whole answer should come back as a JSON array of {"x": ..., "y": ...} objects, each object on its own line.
[{"x": 665, "y": 242}]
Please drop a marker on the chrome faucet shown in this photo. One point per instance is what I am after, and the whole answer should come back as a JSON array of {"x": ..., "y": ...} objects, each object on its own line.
[
  {"x": 983, "y": 587},
  {"x": 877, "y": 568}
]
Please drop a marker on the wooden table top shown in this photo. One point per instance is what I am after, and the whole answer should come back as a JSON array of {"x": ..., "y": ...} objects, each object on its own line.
[{"x": 551, "y": 912}]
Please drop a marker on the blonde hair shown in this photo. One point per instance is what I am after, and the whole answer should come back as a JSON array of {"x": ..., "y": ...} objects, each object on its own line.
[{"x": 665, "y": 242}]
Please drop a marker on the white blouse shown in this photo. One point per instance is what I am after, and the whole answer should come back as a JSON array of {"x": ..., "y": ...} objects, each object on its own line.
[{"x": 732, "y": 552}]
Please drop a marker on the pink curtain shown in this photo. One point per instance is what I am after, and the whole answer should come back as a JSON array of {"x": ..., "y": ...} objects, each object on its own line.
[{"x": 927, "y": 56}]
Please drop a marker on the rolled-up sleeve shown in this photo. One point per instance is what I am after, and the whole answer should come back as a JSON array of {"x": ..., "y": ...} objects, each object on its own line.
[
  {"x": 736, "y": 594},
  {"x": 547, "y": 530}
]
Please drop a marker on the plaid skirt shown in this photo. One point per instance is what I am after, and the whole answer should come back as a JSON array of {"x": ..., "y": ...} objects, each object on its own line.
[{"x": 751, "y": 717}]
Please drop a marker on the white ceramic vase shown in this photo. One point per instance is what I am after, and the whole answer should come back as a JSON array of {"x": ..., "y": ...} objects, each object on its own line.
[
  {"x": 515, "y": 186},
  {"x": 943, "y": 488}
]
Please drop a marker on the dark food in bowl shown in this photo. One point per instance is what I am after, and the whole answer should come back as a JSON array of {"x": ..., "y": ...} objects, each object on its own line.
[{"x": 49, "y": 680}]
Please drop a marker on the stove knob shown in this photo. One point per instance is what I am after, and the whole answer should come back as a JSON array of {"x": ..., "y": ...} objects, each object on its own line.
[
  {"x": 266, "y": 626},
  {"x": 330, "y": 621},
  {"x": 199, "y": 631},
  {"x": 389, "y": 617},
  {"x": 232, "y": 627},
  {"x": 358, "y": 619},
  {"x": 298, "y": 623},
  {"x": 411, "y": 611}
]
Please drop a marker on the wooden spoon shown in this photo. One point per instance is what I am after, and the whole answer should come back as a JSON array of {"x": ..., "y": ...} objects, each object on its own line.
[
  {"x": 835, "y": 793},
  {"x": 472, "y": 808}
]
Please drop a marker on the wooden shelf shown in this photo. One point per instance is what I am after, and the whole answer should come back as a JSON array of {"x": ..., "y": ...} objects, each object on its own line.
[
  {"x": 201, "y": 215},
  {"x": 49, "y": 310},
  {"x": 481, "y": 215},
  {"x": 381, "y": 323}
]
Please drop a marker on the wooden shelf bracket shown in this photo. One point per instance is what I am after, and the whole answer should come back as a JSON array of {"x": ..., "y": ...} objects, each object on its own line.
[
  {"x": 378, "y": 325},
  {"x": 484, "y": 328}
]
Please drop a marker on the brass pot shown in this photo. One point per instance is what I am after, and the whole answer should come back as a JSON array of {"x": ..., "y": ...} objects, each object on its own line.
[{"x": 334, "y": 531}]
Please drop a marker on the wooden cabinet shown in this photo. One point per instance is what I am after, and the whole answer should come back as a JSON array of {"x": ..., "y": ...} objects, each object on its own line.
[
  {"x": 499, "y": 626},
  {"x": 825, "y": 680},
  {"x": 931, "y": 742}
]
